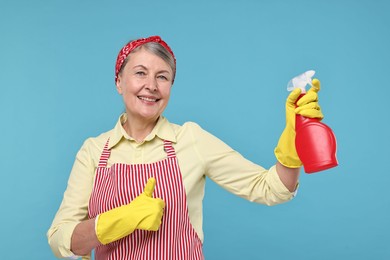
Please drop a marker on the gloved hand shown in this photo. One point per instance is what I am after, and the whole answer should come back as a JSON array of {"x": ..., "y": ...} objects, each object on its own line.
[
  {"x": 144, "y": 212},
  {"x": 307, "y": 106}
]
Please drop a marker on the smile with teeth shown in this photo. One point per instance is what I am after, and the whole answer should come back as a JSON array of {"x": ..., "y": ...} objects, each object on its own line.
[{"x": 148, "y": 99}]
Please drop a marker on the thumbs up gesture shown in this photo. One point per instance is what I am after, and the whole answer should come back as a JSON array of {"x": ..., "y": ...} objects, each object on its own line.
[
  {"x": 144, "y": 212},
  {"x": 149, "y": 209}
]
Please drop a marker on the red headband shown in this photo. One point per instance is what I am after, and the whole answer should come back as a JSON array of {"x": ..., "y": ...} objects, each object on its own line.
[{"x": 125, "y": 51}]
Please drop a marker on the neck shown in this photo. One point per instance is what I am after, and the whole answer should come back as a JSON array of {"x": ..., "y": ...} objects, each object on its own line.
[{"x": 139, "y": 129}]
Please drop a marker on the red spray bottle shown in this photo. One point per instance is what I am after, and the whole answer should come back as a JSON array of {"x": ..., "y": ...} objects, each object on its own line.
[{"x": 315, "y": 142}]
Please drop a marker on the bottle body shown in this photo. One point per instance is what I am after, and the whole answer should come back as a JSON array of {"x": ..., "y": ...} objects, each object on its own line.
[{"x": 315, "y": 143}]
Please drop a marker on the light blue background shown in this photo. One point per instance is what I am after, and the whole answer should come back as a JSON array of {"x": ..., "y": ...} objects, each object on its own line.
[{"x": 234, "y": 60}]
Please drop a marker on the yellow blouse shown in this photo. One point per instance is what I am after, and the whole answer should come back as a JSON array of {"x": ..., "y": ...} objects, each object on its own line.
[{"x": 199, "y": 154}]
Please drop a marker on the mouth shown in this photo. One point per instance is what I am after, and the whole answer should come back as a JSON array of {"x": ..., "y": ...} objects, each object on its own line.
[{"x": 148, "y": 99}]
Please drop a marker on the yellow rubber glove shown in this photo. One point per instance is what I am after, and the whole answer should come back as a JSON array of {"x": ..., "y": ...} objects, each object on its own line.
[
  {"x": 144, "y": 212},
  {"x": 307, "y": 106}
]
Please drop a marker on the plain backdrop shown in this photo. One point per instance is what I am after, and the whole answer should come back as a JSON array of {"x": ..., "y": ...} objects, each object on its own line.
[{"x": 234, "y": 59}]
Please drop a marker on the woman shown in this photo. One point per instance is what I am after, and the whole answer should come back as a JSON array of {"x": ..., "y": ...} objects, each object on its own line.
[{"x": 136, "y": 191}]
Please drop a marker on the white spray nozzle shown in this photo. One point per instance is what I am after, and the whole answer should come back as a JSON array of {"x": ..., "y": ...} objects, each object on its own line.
[{"x": 301, "y": 81}]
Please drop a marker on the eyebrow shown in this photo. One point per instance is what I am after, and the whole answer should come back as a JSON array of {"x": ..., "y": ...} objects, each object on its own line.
[{"x": 145, "y": 68}]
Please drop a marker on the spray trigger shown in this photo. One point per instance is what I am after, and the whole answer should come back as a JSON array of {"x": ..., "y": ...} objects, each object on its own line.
[{"x": 301, "y": 81}]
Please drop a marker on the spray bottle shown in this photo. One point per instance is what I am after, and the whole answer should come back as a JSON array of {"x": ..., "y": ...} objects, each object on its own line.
[{"x": 315, "y": 142}]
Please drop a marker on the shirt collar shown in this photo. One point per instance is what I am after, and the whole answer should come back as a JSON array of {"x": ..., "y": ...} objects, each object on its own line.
[{"x": 162, "y": 130}]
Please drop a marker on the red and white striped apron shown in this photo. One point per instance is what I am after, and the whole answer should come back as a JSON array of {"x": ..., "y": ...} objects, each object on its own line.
[{"x": 120, "y": 184}]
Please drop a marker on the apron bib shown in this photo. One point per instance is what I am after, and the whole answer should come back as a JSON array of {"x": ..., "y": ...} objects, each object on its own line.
[{"x": 121, "y": 183}]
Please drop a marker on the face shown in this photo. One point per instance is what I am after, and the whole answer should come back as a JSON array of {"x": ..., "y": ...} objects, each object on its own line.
[{"x": 145, "y": 84}]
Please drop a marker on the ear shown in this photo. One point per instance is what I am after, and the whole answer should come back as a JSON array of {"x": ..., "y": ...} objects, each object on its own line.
[{"x": 118, "y": 86}]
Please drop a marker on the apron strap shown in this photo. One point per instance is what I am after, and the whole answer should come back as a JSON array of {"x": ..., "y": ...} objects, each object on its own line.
[
  {"x": 168, "y": 148},
  {"x": 105, "y": 155}
]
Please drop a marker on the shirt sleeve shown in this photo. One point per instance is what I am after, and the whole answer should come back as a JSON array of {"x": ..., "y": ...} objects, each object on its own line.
[
  {"x": 74, "y": 206},
  {"x": 232, "y": 171}
]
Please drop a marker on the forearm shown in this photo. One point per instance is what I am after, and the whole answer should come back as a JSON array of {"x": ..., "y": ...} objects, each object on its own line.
[
  {"x": 289, "y": 176},
  {"x": 84, "y": 238}
]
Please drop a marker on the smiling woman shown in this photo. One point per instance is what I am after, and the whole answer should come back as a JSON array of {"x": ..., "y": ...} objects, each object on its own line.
[
  {"x": 136, "y": 191},
  {"x": 145, "y": 71},
  {"x": 145, "y": 85}
]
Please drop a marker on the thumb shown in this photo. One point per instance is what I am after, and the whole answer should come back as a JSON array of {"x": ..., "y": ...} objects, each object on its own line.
[
  {"x": 149, "y": 187},
  {"x": 294, "y": 95}
]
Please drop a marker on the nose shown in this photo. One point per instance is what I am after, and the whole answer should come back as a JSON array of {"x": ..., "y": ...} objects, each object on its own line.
[{"x": 151, "y": 84}]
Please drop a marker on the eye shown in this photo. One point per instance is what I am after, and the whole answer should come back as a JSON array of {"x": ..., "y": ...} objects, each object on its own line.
[
  {"x": 140, "y": 73},
  {"x": 162, "y": 77}
]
